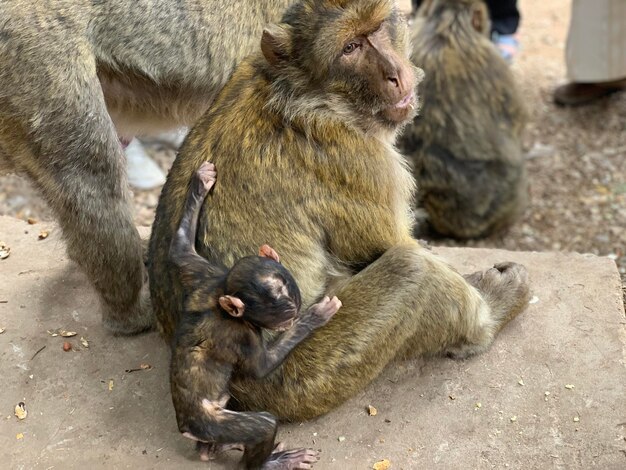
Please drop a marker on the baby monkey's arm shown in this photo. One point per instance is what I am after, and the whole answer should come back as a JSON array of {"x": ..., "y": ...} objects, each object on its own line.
[{"x": 266, "y": 358}]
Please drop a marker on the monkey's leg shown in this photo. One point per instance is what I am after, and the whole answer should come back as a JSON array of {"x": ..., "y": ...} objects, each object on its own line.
[
  {"x": 408, "y": 302},
  {"x": 56, "y": 128},
  {"x": 257, "y": 433}
]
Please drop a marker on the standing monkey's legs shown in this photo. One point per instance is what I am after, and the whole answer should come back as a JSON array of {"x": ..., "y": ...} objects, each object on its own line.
[
  {"x": 406, "y": 303},
  {"x": 55, "y": 128}
]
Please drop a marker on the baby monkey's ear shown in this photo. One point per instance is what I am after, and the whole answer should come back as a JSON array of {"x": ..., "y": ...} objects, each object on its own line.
[
  {"x": 233, "y": 305},
  {"x": 269, "y": 252}
]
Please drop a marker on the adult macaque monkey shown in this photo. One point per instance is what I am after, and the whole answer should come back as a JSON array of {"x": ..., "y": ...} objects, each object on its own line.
[
  {"x": 303, "y": 138},
  {"x": 466, "y": 145},
  {"x": 75, "y": 77}
]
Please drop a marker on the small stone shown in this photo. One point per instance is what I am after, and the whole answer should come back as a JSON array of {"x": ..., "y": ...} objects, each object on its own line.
[
  {"x": 2, "y": 330},
  {"x": 513, "y": 419},
  {"x": 540, "y": 150},
  {"x": 569, "y": 386},
  {"x": 44, "y": 234},
  {"x": 372, "y": 411},
  {"x": 110, "y": 385},
  {"x": 576, "y": 419},
  {"x": 31, "y": 221},
  {"x": 521, "y": 382},
  {"x": 478, "y": 405},
  {"x": 19, "y": 436},
  {"x": 534, "y": 300},
  {"x": 84, "y": 342},
  {"x": 67, "y": 346},
  {"x": 341, "y": 438}
]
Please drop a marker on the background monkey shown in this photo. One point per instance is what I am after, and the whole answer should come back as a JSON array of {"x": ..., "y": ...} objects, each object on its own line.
[
  {"x": 219, "y": 335},
  {"x": 76, "y": 76},
  {"x": 466, "y": 144},
  {"x": 303, "y": 137}
]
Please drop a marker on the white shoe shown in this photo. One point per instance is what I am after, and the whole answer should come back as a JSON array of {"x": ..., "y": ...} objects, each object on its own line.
[
  {"x": 173, "y": 139},
  {"x": 143, "y": 172}
]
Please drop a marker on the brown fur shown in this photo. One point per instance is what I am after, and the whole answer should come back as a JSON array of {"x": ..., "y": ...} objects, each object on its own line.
[
  {"x": 305, "y": 163},
  {"x": 74, "y": 76},
  {"x": 466, "y": 144}
]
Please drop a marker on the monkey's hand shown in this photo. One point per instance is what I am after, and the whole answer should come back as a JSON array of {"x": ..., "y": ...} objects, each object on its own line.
[
  {"x": 320, "y": 313},
  {"x": 204, "y": 178}
]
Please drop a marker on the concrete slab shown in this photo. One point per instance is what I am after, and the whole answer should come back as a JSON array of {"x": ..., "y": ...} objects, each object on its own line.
[{"x": 508, "y": 408}]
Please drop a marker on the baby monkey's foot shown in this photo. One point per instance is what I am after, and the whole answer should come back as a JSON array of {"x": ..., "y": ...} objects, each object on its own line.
[
  {"x": 295, "y": 459},
  {"x": 209, "y": 451},
  {"x": 205, "y": 176}
]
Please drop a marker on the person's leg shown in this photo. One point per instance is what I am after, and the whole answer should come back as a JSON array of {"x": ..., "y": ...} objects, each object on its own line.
[{"x": 596, "y": 64}]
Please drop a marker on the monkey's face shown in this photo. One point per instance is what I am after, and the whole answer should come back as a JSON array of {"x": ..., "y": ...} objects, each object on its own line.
[
  {"x": 351, "y": 54},
  {"x": 363, "y": 49},
  {"x": 373, "y": 75},
  {"x": 268, "y": 291}
]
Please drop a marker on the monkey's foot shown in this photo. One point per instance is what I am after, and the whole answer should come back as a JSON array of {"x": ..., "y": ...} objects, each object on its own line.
[
  {"x": 505, "y": 289},
  {"x": 209, "y": 451},
  {"x": 129, "y": 320},
  {"x": 295, "y": 459}
]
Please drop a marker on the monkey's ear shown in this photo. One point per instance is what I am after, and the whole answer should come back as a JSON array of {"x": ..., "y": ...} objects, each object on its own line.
[
  {"x": 275, "y": 44},
  {"x": 233, "y": 305},
  {"x": 480, "y": 19},
  {"x": 268, "y": 252}
]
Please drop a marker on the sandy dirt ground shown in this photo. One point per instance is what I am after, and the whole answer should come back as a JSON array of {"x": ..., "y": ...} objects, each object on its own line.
[{"x": 576, "y": 157}]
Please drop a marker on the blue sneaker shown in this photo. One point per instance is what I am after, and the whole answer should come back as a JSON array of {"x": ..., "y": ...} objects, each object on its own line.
[{"x": 507, "y": 44}]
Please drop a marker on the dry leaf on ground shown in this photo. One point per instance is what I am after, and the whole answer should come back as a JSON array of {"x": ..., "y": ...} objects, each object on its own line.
[
  {"x": 20, "y": 410},
  {"x": 382, "y": 465},
  {"x": 5, "y": 251}
]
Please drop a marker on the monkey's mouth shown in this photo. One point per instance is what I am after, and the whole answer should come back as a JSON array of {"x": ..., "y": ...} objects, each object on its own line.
[
  {"x": 407, "y": 101},
  {"x": 401, "y": 110}
]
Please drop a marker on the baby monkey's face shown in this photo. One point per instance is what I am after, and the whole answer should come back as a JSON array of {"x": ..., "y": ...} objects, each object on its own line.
[{"x": 268, "y": 291}]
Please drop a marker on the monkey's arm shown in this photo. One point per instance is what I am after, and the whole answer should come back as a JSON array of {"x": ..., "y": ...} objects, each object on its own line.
[
  {"x": 182, "y": 249},
  {"x": 264, "y": 359}
]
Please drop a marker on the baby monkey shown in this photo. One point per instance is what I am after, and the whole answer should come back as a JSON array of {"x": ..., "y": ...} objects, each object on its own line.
[{"x": 219, "y": 333}]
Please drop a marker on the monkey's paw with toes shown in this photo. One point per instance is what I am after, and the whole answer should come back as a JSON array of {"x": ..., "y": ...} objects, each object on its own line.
[
  {"x": 319, "y": 314},
  {"x": 505, "y": 288},
  {"x": 206, "y": 176},
  {"x": 295, "y": 459}
]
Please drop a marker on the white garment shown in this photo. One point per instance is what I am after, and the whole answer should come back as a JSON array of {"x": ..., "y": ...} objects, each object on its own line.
[{"x": 596, "y": 41}]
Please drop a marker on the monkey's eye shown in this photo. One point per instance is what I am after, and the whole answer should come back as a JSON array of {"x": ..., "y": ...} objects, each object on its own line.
[{"x": 351, "y": 47}]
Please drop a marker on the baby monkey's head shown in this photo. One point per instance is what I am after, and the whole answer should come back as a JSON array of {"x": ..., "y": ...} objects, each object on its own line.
[{"x": 262, "y": 291}]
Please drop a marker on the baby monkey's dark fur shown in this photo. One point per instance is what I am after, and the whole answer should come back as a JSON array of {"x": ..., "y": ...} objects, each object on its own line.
[{"x": 219, "y": 334}]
